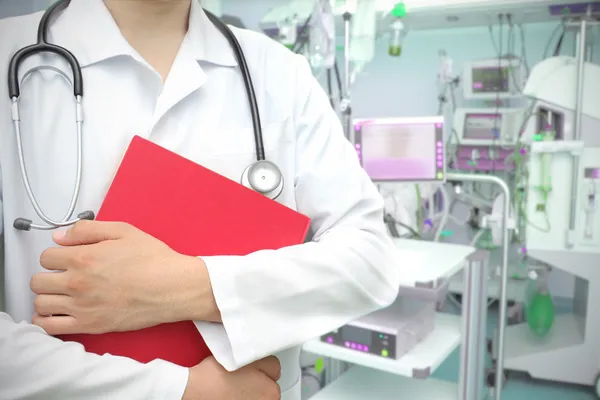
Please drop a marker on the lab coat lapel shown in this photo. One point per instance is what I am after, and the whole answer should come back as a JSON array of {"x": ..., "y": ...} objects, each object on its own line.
[{"x": 185, "y": 78}]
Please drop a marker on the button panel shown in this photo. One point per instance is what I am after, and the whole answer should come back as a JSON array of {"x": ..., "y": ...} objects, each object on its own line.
[{"x": 376, "y": 343}]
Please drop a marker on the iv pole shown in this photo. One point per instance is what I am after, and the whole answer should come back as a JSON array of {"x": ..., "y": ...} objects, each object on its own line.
[
  {"x": 346, "y": 103},
  {"x": 577, "y": 124}
]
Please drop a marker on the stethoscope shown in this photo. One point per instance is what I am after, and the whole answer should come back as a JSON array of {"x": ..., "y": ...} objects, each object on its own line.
[{"x": 262, "y": 176}]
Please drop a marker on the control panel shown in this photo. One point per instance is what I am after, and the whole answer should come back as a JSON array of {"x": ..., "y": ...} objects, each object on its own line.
[
  {"x": 363, "y": 340},
  {"x": 488, "y": 127}
]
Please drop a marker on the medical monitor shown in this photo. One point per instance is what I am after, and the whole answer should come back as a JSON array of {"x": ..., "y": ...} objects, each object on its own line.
[
  {"x": 488, "y": 127},
  {"x": 401, "y": 149},
  {"x": 493, "y": 79}
]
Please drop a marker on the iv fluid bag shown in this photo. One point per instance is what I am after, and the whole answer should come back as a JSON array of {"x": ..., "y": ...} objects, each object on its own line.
[
  {"x": 364, "y": 29},
  {"x": 322, "y": 36},
  {"x": 539, "y": 307},
  {"x": 396, "y": 38}
]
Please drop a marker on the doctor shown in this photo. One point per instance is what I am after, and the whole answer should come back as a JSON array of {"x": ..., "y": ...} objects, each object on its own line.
[{"x": 161, "y": 69}]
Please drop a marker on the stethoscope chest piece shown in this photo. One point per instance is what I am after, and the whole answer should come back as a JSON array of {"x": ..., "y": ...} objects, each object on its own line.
[{"x": 264, "y": 177}]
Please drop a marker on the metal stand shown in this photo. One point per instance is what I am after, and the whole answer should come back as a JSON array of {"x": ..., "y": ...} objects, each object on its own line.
[
  {"x": 2, "y": 283},
  {"x": 346, "y": 103},
  {"x": 581, "y": 55},
  {"x": 499, "y": 373},
  {"x": 472, "y": 352}
]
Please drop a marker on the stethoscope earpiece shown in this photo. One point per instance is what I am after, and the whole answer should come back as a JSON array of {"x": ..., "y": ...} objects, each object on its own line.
[
  {"x": 265, "y": 178},
  {"x": 22, "y": 224}
]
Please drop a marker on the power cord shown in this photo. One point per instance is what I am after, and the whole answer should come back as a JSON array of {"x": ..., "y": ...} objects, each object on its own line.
[
  {"x": 559, "y": 29},
  {"x": 392, "y": 224}
]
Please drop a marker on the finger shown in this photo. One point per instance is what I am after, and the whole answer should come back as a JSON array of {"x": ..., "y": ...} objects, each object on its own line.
[
  {"x": 270, "y": 366},
  {"x": 49, "y": 283},
  {"x": 90, "y": 232},
  {"x": 56, "y": 258},
  {"x": 60, "y": 325},
  {"x": 50, "y": 305}
]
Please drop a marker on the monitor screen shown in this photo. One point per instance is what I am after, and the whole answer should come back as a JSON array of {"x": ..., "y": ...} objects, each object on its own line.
[
  {"x": 402, "y": 149},
  {"x": 490, "y": 79},
  {"x": 482, "y": 126}
]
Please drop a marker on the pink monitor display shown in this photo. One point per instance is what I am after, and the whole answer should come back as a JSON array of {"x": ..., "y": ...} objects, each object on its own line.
[{"x": 401, "y": 149}]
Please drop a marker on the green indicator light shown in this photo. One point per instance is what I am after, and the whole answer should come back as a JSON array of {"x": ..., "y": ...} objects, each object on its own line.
[
  {"x": 319, "y": 366},
  {"x": 380, "y": 336},
  {"x": 384, "y": 353}
]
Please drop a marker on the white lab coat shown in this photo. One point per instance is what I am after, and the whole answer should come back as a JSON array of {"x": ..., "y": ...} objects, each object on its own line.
[{"x": 270, "y": 301}]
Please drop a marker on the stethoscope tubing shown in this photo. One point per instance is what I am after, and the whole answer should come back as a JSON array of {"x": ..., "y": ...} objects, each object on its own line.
[{"x": 42, "y": 46}]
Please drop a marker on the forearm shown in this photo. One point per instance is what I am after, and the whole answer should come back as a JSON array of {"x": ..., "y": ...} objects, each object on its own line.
[
  {"x": 34, "y": 365},
  {"x": 192, "y": 297}
]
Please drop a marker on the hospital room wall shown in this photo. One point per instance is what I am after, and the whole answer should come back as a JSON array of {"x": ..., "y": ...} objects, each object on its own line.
[
  {"x": 11, "y": 8},
  {"x": 406, "y": 86}
]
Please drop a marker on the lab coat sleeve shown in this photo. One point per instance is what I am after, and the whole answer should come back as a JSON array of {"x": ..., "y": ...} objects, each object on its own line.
[
  {"x": 274, "y": 300},
  {"x": 34, "y": 365}
]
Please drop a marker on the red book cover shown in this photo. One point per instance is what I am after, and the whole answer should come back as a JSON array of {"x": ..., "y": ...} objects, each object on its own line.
[{"x": 196, "y": 212}]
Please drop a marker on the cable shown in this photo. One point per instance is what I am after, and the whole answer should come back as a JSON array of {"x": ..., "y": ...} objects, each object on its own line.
[
  {"x": 338, "y": 78},
  {"x": 330, "y": 88},
  {"x": 301, "y": 40},
  {"x": 524, "y": 49},
  {"x": 445, "y": 213},
  {"x": 510, "y": 52},
  {"x": 559, "y": 43},
  {"x": 556, "y": 30},
  {"x": 392, "y": 222},
  {"x": 419, "y": 215},
  {"x": 501, "y": 79}
]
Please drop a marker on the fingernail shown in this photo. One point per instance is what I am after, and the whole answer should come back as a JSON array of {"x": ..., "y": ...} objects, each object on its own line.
[{"x": 58, "y": 235}]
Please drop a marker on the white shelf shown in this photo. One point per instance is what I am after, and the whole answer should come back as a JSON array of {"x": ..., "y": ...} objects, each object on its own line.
[
  {"x": 428, "y": 354},
  {"x": 363, "y": 383},
  {"x": 422, "y": 262},
  {"x": 515, "y": 290},
  {"x": 521, "y": 343}
]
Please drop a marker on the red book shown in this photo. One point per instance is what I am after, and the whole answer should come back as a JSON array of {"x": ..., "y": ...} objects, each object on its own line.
[{"x": 196, "y": 212}]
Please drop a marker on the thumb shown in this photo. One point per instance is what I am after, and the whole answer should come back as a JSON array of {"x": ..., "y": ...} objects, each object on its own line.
[{"x": 89, "y": 232}]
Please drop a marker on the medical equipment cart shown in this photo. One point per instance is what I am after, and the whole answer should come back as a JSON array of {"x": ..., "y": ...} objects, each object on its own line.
[{"x": 378, "y": 378}]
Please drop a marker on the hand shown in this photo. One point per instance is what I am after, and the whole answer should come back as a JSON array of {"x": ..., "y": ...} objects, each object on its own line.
[
  {"x": 110, "y": 277},
  {"x": 257, "y": 381}
]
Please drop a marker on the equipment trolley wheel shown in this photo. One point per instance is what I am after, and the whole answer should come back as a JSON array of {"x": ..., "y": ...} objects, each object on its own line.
[{"x": 490, "y": 377}]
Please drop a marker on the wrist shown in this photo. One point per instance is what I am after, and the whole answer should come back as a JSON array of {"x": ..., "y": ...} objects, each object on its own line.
[
  {"x": 194, "y": 296},
  {"x": 192, "y": 387}
]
